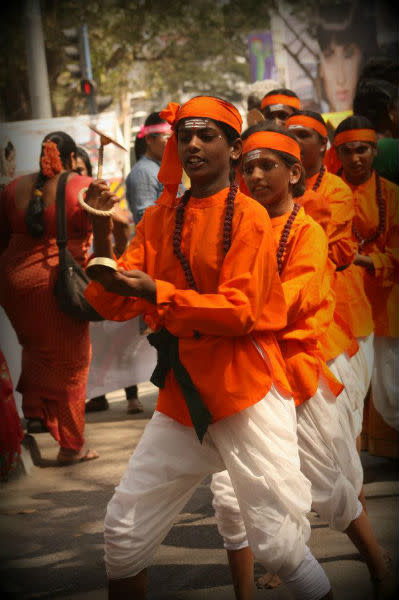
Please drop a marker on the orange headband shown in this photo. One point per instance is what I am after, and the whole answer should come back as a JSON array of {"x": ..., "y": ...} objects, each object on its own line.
[
  {"x": 273, "y": 141},
  {"x": 281, "y": 99},
  {"x": 306, "y": 121},
  {"x": 355, "y": 135},
  {"x": 171, "y": 170}
]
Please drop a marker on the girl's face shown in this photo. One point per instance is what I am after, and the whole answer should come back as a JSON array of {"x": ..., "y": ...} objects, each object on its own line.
[
  {"x": 357, "y": 160},
  {"x": 339, "y": 69},
  {"x": 269, "y": 180},
  {"x": 204, "y": 151},
  {"x": 312, "y": 148},
  {"x": 81, "y": 166}
]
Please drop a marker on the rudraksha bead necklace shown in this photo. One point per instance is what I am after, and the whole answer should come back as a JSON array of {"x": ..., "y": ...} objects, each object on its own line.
[
  {"x": 319, "y": 178},
  {"x": 179, "y": 221},
  {"x": 284, "y": 236},
  {"x": 381, "y": 214}
]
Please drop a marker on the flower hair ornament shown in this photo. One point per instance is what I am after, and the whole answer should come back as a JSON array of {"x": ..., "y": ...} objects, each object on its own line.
[{"x": 50, "y": 161}]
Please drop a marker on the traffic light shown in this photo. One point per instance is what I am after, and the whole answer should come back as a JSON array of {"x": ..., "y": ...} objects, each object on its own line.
[
  {"x": 88, "y": 87},
  {"x": 79, "y": 50},
  {"x": 73, "y": 51}
]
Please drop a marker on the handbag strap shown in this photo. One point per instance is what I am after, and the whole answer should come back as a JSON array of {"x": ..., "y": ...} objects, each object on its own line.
[{"x": 62, "y": 235}]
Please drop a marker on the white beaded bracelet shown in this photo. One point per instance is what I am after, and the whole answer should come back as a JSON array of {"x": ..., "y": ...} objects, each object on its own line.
[
  {"x": 103, "y": 261},
  {"x": 90, "y": 209}
]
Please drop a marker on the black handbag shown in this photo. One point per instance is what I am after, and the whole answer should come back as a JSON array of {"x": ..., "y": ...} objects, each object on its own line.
[{"x": 71, "y": 280}]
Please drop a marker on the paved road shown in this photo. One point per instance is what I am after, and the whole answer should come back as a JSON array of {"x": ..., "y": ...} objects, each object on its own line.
[{"x": 51, "y": 526}]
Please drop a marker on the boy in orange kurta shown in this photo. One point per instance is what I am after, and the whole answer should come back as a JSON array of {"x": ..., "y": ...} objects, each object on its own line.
[
  {"x": 348, "y": 344},
  {"x": 376, "y": 228},
  {"x": 202, "y": 270},
  {"x": 273, "y": 174}
]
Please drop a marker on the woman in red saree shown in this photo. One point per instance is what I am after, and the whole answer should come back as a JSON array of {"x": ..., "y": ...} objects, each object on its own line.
[{"x": 55, "y": 347}]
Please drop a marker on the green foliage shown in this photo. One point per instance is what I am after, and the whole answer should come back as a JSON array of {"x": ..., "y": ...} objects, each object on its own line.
[{"x": 171, "y": 49}]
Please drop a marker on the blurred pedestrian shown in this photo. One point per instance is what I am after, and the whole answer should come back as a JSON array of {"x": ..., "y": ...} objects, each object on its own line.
[
  {"x": 55, "y": 347},
  {"x": 11, "y": 432},
  {"x": 83, "y": 164},
  {"x": 142, "y": 185},
  {"x": 120, "y": 231}
]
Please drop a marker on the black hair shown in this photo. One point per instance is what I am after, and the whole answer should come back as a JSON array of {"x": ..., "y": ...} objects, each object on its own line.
[
  {"x": 347, "y": 22},
  {"x": 354, "y": 122},
  {"x": 253, "y": 101},
  {"x": 318, "y": 117},
  {"x": 374, "y": 99},
  {"x": 34, "y": 212},
  {"x": 284, "y": 91},
  {"x": 380, "y": 67},
  {"x": 140, "y": 145},
  {"x": 298, "y": 189},
  {"x": 81, "y": 153}
]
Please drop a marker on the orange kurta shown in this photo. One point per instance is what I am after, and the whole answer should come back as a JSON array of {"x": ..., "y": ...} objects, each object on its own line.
[
  {"x": 239, "y": 307},
  {"x": 306, "y": 279},
  {"x": 352, "y": 317},
  {"x": 382, "y": 286}
]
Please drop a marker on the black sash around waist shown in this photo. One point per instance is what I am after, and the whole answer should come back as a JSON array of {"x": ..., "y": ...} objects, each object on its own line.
[{"x": 167, "y": 346}]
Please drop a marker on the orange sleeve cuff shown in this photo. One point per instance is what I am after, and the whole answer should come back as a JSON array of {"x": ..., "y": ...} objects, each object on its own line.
[
  {"x": 165, "y": 291},
  {"x": 112, "y": 306}
]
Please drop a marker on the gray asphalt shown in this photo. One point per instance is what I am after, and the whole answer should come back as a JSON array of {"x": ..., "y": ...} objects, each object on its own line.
[{"x": 51, "y": 525}]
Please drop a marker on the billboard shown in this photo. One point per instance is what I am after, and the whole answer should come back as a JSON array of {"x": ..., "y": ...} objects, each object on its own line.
[{"x": 319, "y": 53}]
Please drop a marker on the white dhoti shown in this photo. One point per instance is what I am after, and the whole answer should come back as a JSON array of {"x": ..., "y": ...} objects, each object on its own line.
[
  {"x": 355, "y": 374},
  {"x": 329, "y": 459},
  {"x": 258, "y": 447},
  {"x": 385, "y": 380}
]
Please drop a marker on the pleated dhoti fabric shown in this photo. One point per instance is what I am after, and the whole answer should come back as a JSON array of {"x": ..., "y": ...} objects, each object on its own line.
[{"x": 257, "y": 446}]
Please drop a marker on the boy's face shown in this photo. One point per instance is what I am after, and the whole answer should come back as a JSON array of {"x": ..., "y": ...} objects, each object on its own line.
[
  {"x": 203, "y": 150},
  {"x": 278, "y": 113},
  {"x": 312, "y": 148},
  {"x": 357, "y": 160}
]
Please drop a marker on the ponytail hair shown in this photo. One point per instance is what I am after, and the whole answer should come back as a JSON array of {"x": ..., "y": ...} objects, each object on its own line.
[{"x": 57, "y": 148}]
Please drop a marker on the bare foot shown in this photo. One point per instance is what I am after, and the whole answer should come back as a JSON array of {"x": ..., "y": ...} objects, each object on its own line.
[
  {"x": 268, "y": 581},
  {"x": 66, "y": 456},
  {"x": 134, "y": 406}
]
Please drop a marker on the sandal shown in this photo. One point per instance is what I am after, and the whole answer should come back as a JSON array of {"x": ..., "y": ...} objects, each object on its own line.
[
  {"x": 96, "y": 404},
  {"x": 35, "y": 426},
  {"x": 70, "y": 457}
]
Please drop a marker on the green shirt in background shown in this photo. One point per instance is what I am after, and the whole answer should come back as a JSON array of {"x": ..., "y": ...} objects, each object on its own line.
[{"x": 386, "y": 163}]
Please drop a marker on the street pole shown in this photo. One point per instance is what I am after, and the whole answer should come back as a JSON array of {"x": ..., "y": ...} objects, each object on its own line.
[{"x": 36, "y": 61}]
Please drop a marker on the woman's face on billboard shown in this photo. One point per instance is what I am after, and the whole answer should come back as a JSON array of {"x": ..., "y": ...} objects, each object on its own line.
[{"x": 339, "y": 70}]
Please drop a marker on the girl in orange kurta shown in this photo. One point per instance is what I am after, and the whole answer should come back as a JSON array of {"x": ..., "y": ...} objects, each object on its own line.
[
  {"x": 273, "y": 174},
  {"x": 376, "y": 228},
  {"x": 202, "y": 270},
  {"x": 348, "y": 344},
  {"x": 55, "y": 347}
]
